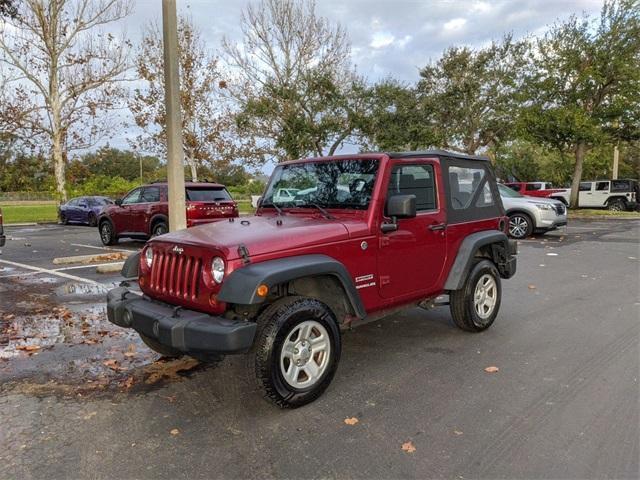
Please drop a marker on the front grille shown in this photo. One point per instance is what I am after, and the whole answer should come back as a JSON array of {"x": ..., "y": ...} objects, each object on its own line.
[
  {"x": 176, "y": 275},
  {"x": 560, "y": 208}
]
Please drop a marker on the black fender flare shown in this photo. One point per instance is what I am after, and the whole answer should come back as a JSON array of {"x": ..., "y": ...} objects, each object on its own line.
[
  {"x": 470, "y": 245},
  {"x": 241, "y": 285}
]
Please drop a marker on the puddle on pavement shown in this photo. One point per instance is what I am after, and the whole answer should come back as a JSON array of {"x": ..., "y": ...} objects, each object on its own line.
[{"x": 57, "y": 340}]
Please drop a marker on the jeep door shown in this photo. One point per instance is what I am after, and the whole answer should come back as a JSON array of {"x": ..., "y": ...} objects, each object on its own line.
[
  {"x": 586, "y": 196},
  {"x": 411, "y": 259}
]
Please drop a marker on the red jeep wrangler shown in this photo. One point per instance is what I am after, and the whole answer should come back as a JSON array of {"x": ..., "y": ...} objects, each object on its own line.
[
  {"x": 144, "y": 211},
  {"x": 363, "y": 236}
]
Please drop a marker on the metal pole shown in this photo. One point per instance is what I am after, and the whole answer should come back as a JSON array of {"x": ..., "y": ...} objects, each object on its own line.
[
  {"x": 616, "y": 155},
  {"x": 175, "y": 155}
]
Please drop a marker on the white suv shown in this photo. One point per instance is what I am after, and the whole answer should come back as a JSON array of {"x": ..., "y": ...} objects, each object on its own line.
[
  {"x": 611, "y": 194},
  {"x": 531, "y": 214}
]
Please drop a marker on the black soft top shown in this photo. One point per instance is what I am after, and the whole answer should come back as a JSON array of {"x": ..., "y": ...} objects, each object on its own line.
[{"x": 436, "y": 153}]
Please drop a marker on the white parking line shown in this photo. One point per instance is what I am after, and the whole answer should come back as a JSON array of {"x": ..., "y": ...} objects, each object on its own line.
[
  {"x": 79, "y": 267},
  {"x": 101, "y": 248},
  {"x": 50, "y": 272}
]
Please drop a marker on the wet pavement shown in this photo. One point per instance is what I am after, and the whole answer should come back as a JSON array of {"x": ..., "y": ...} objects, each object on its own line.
[{"x": 80, "y": 397}]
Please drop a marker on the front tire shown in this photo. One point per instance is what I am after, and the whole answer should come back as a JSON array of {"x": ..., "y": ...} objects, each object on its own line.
[
  {"x": 520, "y": 225},
  {"x": 475, "y": 307},
  {"x": 159, "y": 228},
  {"x": 63, "y": 219},
  {"x": 107, "y": 233},
  {"x": 296, "y": 351}
]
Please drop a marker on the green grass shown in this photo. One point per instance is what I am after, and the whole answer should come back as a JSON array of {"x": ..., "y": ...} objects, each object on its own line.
[
  {"x": 33, "y": 213},
  {"x": 601, "y": 213},
  {"x": 245, "y": 206}
]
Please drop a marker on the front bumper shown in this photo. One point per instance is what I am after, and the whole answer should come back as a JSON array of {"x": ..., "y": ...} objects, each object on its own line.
[
  {"x": 550, "y": 219},
  {"x": 185, "y": 330}
]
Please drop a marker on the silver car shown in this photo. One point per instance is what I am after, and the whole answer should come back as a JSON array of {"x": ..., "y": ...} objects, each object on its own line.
[{"x": 531, "y": 214}]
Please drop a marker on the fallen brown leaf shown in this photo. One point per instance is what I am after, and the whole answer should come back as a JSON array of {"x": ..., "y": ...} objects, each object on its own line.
[
  {"x": 532, "y": 287},
  {"x": 175, "y": 431},
  {"x": 408, "y": 447},
  {"x": 458, "y": 432},
  {"x": 351, "y": 421},
  {"x": 28, "y": 348},
  {"x": 491, "y": 369}
]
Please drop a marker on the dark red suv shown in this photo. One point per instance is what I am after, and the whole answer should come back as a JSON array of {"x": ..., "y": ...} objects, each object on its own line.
[{"x": 144, "y": 213}]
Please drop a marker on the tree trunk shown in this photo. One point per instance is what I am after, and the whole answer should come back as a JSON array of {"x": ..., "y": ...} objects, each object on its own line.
[
  {"x": 581, "y": 150},
  {"x": 59, "y": 166},
  {"x": 194, "y": 169}
]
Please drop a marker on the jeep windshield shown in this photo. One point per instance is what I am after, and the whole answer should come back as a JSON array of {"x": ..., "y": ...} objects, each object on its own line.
[{"x": 341, "y": 184}]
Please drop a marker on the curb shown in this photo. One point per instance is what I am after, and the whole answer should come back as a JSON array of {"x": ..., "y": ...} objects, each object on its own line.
[
  {"x": 110, "y": 267},
  {"x": 101, "y": 257}
]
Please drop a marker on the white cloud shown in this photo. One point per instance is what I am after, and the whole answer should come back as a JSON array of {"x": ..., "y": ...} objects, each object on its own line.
[
  {"x": 480, "y": 7},
  {"x": 455, "y": 24},
  {"x": 381, "y": 40}
]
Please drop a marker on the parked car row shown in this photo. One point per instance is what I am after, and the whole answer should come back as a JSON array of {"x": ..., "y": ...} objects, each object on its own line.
[
  {"x": 617, "y": 195},
  {"x": 144, "y": 211}
]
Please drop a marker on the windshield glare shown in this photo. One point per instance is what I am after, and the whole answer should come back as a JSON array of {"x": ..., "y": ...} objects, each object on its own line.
[
  {"x": 344, "y": 184},
  {"x": 508, "y": 192}
]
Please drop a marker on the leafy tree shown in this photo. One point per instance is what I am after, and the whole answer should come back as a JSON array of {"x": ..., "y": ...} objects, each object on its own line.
[
  {"x": 206, "y": 121},
  {"x": 471, "y": 94},
  {"x": 69, "y": 70},
  {"x": 112, "y": 162},
  {"x": 8, "y": 8},
  {"x": 397, "y": 120},
  {"x": 296, "y": 90},
  {"x": 582, "y": 87}
]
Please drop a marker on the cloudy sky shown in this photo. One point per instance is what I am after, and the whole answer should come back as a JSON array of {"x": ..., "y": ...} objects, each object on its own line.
[{"x": 392, "y": 37}]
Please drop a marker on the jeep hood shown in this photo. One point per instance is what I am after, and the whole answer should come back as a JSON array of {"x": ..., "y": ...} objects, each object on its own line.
[{"x": 260, "y": 234}]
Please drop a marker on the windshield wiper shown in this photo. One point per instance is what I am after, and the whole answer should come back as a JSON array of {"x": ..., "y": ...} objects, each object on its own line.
[
  {"x": 325, "y": 214},
  {"x": 278, "y": 209}
]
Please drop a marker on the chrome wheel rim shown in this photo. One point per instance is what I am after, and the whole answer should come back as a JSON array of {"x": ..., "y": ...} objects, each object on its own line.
[
  {"x": 105, "y": 233},
  {"x": 518, "y": 226},
  {"x": 485, "y": 296},
  {"x": 305, "y": 354}
]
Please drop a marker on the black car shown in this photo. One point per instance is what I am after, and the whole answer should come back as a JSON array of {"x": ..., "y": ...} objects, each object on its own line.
[{"x": 83, "y": 210}]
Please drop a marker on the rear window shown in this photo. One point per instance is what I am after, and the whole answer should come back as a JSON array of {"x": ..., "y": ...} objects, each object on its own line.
[
  {"x": 621, "y": 186},
  {"x": 533, "y": 186},
  {"x": 199, "y": 194}
]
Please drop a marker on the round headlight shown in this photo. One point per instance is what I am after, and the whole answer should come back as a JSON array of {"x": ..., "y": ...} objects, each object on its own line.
[
  {"x": 148, "y": 256},
  {"x": 217, "y": 269}
]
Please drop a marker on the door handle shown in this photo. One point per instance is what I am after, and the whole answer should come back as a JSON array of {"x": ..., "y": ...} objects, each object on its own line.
[{"x": 437, "y": 226}]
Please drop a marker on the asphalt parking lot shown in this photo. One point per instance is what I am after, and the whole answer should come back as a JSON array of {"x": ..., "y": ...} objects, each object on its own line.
[{"x": 91, "y": 401}]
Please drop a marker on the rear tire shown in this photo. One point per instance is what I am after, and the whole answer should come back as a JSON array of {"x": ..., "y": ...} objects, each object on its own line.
[
  {"x": 159, "y": 228},
  {"x": 107, "y": 233},
  {"x": 296, "y": 351},
  {"x": 475, "y": 306},
  {"x": 616, "y": 205},
  {"x": 159, "y": 348},
  {"x": 520, "y": 225}
]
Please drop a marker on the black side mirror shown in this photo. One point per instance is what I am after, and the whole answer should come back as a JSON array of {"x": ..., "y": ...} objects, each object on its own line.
[
  {"x": 118, "y": 202},
  {"x": 399, "y": 206}
]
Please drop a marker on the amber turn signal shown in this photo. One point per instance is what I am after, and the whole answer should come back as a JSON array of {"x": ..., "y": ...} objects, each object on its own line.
[
  {"x": 142, "y": 281},
  {"x": 262, "y": 290}
]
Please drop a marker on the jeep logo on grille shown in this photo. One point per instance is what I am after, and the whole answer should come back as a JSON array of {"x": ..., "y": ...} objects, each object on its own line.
[{"x": 177, "y": 250}]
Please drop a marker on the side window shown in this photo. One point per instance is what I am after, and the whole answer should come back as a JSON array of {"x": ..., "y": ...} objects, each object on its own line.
[
  {"x": 463, "y": 185},
  {"x": 602, "y": 186},
  {"x": 621, "y": 186},
  {"x": 486, "y": 198},
  {"x": 133, "y": 197},
  {"x": 517, "y": 188},
  {"x": 415, "y": 180},
  {"x": 585, "y": 186},
  {"x": 532, "y": 186},
  {"x": 72, "y": 203},
  {"x": 150, "y": 194}
]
